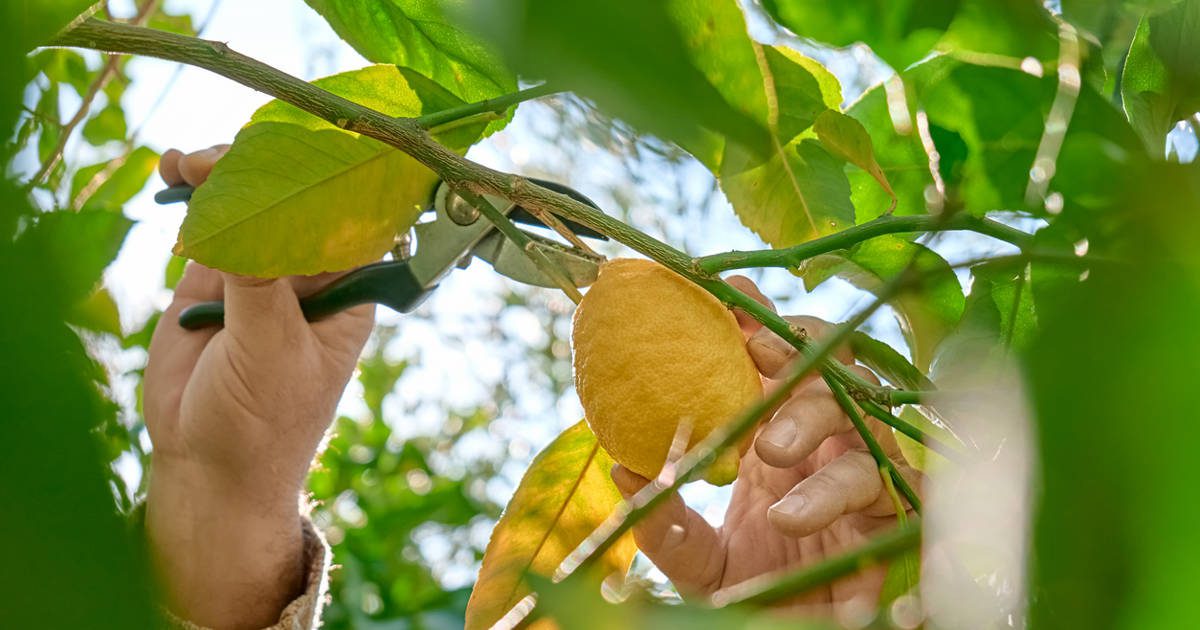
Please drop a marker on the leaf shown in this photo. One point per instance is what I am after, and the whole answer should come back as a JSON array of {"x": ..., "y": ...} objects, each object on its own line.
[
  {"x": 985, "y": 146},
  {"x": 916, "y": 454},
  {"x": 900, "y": 32},
  {"x": 31, "y": 24},
  {"x": 77, "y": 247},
  {"x": 639, "y": 61},
  {"x": 1012, "y": 28},
  {"x": 1112, "y": 383},
  {"x": 64, "y": 65},
  {"x": 416, "y": 34},
  {"x": 887, "y": 363},
  {"x": 98, "y": 312},
  {"x": 926, "y": 313},
  {"x": 563, "y": 497},
  {"x": 107, "y": 125},
  {"x": 297, "y": 195},
  {"x": 127, "y": 178},
  {"x": 1161, "y": 80},
  {"x": 845, "y": 138},
  {"x": 998, "y": 316},
  {"x": 800, "y": 193}
]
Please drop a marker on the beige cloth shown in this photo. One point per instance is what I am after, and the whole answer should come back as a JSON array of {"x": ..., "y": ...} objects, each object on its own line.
[{"x": 304, "y": 613}]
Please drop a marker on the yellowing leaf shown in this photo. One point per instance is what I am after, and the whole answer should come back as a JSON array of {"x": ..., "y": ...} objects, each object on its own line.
[
  {"x": 298, "y": 195},
  {"x": 846, "y": 138},
  {"x": 564, "y": 496}
]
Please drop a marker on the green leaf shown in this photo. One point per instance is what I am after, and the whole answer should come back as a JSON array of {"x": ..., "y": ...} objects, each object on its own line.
[
  {"x": 1161, "y": 81},
  {"x": 1112, "y": 384},
  {"x": 563, "y": 497},
  {"x": 998, "y": 316},
  {"x": 798, "y": 194},
  {"x": 64, "y": 65},
  {"x": 985, "y": 146},
  {"x": 926, "y": 313},
  {"x": 120, "y": 179},
  {"x": 32, "y": 23},
  {"x": 98, "y": 312},
  {"x": 297, "y": 195},
  {"x": 420, "y": 34},
  {"x": 670, "y": 68},
  {"x": 846, "y": 138},
  {"x": 887, "y": 363},
  {"x": 77, "y": 247},
  {"x": 107, "y": 125},
  {"x": 1012, "y": 28},
  {"x": 900, "y": 32}
]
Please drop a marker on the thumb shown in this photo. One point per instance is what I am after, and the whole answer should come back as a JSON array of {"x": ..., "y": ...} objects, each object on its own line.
[
  {"x": 676, "y": 539},
  {"x": 262, "y": 312}
]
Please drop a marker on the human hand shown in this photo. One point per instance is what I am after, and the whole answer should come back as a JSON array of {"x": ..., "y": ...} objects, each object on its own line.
[
  {"x": 807, "y": 490},
  {"x": 236, "y": 415}
]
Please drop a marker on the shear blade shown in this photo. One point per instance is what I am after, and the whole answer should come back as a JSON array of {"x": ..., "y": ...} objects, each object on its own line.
[{"x": 508, "y": 260}]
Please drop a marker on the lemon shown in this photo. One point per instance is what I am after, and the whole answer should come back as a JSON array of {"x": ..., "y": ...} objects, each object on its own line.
[{"x": 653, "y": 351}]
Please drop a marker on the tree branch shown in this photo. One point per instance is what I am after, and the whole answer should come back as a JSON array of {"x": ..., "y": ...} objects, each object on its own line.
[
  {"x": 793, "y": 256},
  {"x": 408, "y": 135}
]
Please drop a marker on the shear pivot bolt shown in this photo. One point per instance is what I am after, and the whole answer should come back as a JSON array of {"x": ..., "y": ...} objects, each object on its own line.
[{"x": 461, "y": 212}]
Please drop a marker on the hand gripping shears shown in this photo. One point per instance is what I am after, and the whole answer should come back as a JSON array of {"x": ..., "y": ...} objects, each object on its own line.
[{"x": 456, "y": 235}]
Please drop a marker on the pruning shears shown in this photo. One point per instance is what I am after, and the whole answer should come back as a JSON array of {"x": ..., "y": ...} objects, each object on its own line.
[{"x": 456, "y": 235}]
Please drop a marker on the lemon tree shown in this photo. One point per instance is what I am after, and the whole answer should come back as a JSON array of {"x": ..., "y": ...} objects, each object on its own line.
[{"x": 1052, "y": 138}]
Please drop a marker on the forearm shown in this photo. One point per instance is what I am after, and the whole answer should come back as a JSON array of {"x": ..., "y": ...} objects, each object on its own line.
[{"x": 227, "y": 558}]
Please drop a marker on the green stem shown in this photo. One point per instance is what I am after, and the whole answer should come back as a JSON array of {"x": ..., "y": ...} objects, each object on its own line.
[
  {"x": 879, "y": 549},
  {"x": 948, "y": 451},
  {"x": 793, "y": 256},
  {"x": 497, "y": 105},
  {"x": 897, "y": 397},
  {"x": 881, "y": 459}
]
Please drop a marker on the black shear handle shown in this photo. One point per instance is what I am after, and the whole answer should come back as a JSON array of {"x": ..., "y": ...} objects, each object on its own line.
[{"x": 390, "y": 283}]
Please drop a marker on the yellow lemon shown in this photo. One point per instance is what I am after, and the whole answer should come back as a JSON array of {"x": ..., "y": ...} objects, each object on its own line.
[{"x": 654, "y": 351}]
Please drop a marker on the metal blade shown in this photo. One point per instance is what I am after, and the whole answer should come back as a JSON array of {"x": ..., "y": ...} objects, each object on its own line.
[{"x": 508, "y": 260}]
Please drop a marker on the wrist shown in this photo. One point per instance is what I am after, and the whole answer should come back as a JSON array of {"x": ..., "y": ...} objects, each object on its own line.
[{"x": 213, "y": 543}]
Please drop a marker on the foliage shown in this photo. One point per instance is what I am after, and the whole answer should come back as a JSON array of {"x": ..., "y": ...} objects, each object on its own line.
[{"x": 1054, "y": 124}]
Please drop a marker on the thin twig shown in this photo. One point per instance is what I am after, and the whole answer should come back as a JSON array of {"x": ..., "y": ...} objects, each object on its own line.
[
  {"x": 792, "y": 257},
  {"x": 881, "y": 458},
  {"x": 107, "y": 72}
]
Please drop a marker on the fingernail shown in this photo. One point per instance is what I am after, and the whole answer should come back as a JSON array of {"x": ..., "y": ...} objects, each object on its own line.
[
  {"x": 790, "y": 506},
  {"x": 674, "y": 536},
  {"x": 780, "y": 433}
]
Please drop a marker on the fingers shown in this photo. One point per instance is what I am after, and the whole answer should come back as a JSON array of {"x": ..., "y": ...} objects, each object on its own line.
[
  {"x": 194, "y": 167},
  {"x": 799, "y": 427},
  {"x": 677, "y": 539},
  {"x": 168, "y": 167},
  {"x": 262, "y": 312},
  {"x": 846, "y": 485},
  {"x": 772, "y": 354},
  {"x": 748, "y": 324}
]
